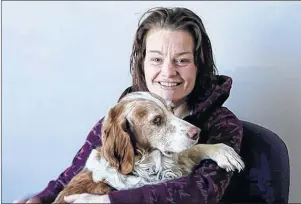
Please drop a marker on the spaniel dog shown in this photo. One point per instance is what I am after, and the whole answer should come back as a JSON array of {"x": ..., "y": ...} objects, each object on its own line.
[{"x": 143, "y": 142}]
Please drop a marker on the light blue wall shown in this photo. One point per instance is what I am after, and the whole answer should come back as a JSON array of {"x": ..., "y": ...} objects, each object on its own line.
[{"x": 65, "y": 63}]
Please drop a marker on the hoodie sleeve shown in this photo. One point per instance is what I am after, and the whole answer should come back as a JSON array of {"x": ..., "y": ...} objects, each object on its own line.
[
  {"x": 206, "y": 184},
  {"x": 54, "y": 187}
]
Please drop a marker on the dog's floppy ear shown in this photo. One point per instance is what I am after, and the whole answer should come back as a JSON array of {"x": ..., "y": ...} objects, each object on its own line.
[{"x": 117, "y": 148}]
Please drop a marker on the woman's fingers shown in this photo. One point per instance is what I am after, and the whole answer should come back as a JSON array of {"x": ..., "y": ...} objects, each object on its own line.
[
  {"x": 31, "y": 200},
  {"x": 71, "y": 198},
  {"x": 20, "y": 201}
]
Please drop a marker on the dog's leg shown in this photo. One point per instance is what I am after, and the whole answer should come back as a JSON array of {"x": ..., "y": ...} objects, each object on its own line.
[
  {"x": 222, "y": 154},
  {"x": 83, "y": 183}
]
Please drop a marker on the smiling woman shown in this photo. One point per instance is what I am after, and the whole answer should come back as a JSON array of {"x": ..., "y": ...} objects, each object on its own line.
[
  {"x": 171, "y": 57},
  {"x": 169, "y": 65}
]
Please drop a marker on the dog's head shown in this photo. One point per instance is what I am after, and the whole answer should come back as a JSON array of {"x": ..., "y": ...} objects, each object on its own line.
[{"x": 142, "y": 120}]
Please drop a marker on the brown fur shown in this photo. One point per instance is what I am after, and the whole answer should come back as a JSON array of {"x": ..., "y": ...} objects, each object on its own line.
[
  {"x": 83, "y": 183},
  {"x": 117, "y": 148},
  {"x": 140, "y": 113}
]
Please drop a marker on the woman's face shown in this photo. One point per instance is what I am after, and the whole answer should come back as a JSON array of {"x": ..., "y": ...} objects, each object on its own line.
[{"x": 169, "y": 65}]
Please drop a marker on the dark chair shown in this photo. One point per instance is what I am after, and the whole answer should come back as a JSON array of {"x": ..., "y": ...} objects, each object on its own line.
[{"x": 266, "y": 178}]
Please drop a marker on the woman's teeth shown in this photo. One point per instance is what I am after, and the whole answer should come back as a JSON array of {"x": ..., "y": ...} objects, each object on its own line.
[{"x": 170, "y": 84}]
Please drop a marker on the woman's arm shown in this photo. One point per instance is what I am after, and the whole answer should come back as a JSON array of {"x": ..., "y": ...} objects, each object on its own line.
[
  {"x": 55, "y": 186},
  {"x": 206, "y": 184}
]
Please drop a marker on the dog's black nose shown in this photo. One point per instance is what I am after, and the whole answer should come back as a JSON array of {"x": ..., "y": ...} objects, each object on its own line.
[{"x": 194, "y": 133}]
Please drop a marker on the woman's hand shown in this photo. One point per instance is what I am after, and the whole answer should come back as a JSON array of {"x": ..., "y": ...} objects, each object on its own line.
[
  {"x": 87, "y": 198},
  {"x": 30, "y": 200}
]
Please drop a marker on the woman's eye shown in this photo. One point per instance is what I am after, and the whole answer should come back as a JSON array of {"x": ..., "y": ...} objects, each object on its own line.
[
  {"x": 156, "y": 60},
  {"x": 157, "y": 120},
  {"x": 182, "y": 61}
]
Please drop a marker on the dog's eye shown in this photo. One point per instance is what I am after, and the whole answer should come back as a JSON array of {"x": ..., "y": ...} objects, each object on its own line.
[{"x": 157, "y": 120}]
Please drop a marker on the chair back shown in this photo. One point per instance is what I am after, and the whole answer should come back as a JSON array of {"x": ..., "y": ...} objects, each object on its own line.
[{"x": 266, "y": 178}]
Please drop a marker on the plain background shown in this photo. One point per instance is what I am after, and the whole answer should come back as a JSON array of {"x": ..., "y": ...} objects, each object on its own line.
[{"x": 66, "y": 63}]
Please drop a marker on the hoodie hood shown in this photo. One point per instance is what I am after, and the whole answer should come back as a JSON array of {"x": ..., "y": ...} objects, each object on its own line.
[{"x": 213, "y": 98}]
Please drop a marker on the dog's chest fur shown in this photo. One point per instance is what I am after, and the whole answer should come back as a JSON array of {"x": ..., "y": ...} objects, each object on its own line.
[{"x": 149, "y": 168}]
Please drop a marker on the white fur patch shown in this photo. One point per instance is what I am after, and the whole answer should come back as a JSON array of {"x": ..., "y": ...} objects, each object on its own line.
[
  {"x": 226, "y": 157},
  {"x": 147, "y": 96},
  {"x": 102, "y": 171},
  {"x": 150, "y": 169},
  {"x": 155, "y": 167}
]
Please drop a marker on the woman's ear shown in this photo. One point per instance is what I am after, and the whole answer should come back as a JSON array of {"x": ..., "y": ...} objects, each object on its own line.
[{"x": 117, "y": 148}]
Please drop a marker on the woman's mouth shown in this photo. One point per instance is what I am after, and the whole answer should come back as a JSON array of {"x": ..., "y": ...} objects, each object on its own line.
[{"x": 169, "y": 84}]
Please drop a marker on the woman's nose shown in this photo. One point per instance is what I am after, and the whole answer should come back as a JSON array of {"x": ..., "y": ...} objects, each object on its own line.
[{"x": 168, "y": 69}]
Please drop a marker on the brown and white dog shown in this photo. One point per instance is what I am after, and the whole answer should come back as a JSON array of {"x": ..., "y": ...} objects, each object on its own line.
[{"x": 143, "y": 142}]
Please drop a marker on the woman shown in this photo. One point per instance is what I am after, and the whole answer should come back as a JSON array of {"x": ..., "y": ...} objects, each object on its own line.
[{"x": 171, "y": 57}]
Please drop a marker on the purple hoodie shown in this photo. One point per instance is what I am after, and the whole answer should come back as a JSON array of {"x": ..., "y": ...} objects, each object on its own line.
[{"x": 207, "y": 182}]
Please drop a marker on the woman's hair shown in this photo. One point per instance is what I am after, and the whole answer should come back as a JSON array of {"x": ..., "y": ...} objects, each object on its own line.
[{"x": 175, "y": 19}]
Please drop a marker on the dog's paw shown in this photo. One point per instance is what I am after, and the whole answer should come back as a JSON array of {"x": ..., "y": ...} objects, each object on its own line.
[{"x": 226, "y": 158}]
